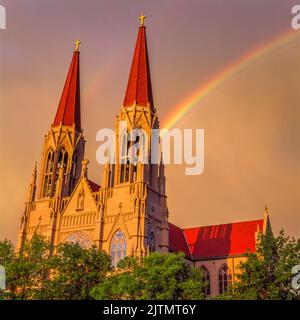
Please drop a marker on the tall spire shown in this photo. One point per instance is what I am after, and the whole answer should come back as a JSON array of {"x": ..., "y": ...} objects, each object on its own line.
[
  {"x": 68, "y": 112},
  {"x": 139, "y": 88},
  {"x": 267, "y": 223}
]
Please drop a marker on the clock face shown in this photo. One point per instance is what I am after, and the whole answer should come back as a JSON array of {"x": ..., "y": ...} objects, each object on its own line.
[
  {"x": 151, "y": 242},
  {"x": 81, "y": 238}
]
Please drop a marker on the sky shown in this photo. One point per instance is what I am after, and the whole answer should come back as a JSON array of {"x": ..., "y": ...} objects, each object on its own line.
[{"x": 251, "y": 120}]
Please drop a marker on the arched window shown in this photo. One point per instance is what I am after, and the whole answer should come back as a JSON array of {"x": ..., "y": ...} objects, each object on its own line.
[
  {"x": 74, "y": 165},
  {"x": 139, "y": 151},
  {"x": 111, "y": 175},
  {"x": 48, "y": 174},
  {"x": 124, "y": 145},
  {"x": 225, "y": 278},
  {"x": 141, "y": 145},
  {"x": 118, "y": 247},
  {"x": 151, "y": 241},
  {"x": 73, "y": 175},
  {"x": 62, "y": 161},
  {"x": 134, "y": 163},
  {"x": 125, "y": 165},
  {"x": 206, "y": 278}
]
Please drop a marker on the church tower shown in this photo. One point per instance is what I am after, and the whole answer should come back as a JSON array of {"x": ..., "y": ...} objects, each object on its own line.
[
  {"x": 63, "y": 152},
  {"x": 128, "y": 214},
  {"x": 64, "y": 143},
  {"x": 132, "y": 198}
]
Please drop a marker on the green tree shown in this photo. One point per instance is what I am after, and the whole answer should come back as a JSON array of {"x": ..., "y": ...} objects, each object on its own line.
[
  {"x": 25, "y": 272},
  {"x": 266, "y": 274},
  {"x": 7, "y": 257},
  {"x": 74, "y": 271},
  {"x": 123, "y": 284},
  {"x": 156, "y": 277}
]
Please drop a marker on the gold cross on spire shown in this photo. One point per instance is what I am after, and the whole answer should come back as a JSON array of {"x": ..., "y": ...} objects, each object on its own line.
[
  {"x": 142, "y": 19},
  {"x": 77, "y": 44}
]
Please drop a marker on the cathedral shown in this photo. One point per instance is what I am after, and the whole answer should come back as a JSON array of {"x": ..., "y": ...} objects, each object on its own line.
[{"x": 127, "y": 214}]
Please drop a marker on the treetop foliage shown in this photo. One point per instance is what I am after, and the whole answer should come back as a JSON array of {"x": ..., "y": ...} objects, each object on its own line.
[{"x": 72, "y": 272}]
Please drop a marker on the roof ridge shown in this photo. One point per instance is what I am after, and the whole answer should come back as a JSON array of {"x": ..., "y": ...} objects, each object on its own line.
[
  {"x": 68, "y": 89},
  {"x": 138, "y": 63},
  {"x": 221, "y": 224}
]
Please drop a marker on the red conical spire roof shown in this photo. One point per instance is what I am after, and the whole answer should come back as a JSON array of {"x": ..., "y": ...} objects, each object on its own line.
[
  {"x": 139, "y": 88},
  {"x": 68, "y": 112}
]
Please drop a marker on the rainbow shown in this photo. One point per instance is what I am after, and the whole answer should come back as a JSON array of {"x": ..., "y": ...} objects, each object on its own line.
[{"x": 180, "y": 110}]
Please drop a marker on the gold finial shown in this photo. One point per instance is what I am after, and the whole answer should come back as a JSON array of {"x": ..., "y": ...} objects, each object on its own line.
[
  {"x": 142, "y": 19},
  {"x": 77, "y": 44}
]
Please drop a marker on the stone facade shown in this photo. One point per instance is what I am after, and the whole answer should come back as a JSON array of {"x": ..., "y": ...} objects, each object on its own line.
[{"x": 128, "y": 214}]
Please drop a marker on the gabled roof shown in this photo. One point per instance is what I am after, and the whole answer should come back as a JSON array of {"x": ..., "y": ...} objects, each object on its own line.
[
  {"x": 139, "y": 88},
  {"x": 177, "y": 242},
  {"x": 216, "y": 240},
  {"x": 68, "y": 112},
  {"x": 93, "y": 185}
]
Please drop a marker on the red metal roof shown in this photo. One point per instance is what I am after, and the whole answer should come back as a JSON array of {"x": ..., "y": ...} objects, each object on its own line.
[
  {"x": 94, "y": 186},
  {"x": 217, "y": 240},
  {"x": 68, "y": 112},
  {"x": 177, "y": 241},
  {"x": 139, "y": 88}
]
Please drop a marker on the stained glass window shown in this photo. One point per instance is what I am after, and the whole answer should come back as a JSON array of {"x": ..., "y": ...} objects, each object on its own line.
[
  {"x": 48, "y": 174},
  {"x": 225, "y": 278},
  {"x": 81, "y": 238},
  {"x": 206, "y": 278},
  {"x": 118, "y": 247}
]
